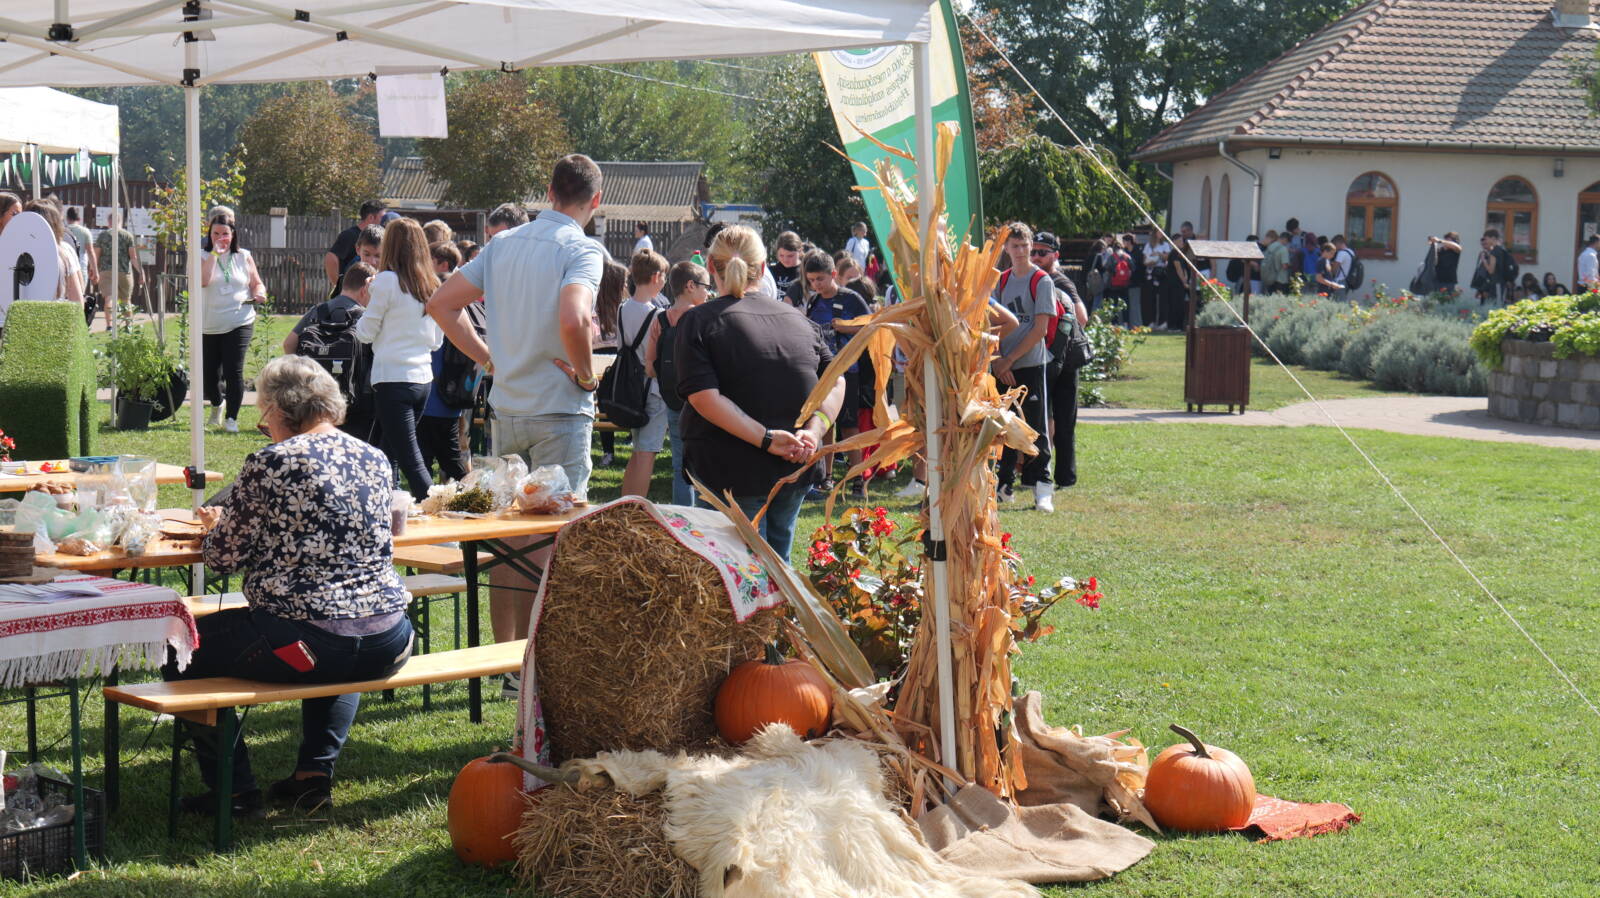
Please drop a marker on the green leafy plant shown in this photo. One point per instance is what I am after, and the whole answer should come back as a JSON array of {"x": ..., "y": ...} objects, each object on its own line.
[
  {"x": 139, "y": 365},
  {"x": 1572, "y": 323},
  {"x": 1113, "y": 348},
  {"x": 171, "y": 200}
]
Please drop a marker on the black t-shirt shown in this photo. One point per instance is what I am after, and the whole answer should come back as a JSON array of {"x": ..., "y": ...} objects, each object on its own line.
[
  {"x": 764, "y": 356},
  {"x": 1446, "y": 267},
  {"x": 789, "y": 282},
  {"x": 344, "y": 248},
  {"x": 1505, "y": 267}
]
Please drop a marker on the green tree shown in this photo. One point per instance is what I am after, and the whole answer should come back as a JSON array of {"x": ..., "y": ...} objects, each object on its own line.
[
  {"x": 308, "y": 155},
  {"x": 170, "y": 208},
  {"x": 798, "y": 178},
  {"x": 1119, "y": 71},
  {"x": 650, "y": 112},
  {"x": 152, "y": 123},
  {"x": 502, "y": 144},
  {"x": 1054, "y": 188}
]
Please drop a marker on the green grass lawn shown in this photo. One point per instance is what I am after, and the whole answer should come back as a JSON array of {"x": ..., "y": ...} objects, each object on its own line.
[
  {"x": 1154, "y": 379},
  {"x": 1261, "y": 587}
]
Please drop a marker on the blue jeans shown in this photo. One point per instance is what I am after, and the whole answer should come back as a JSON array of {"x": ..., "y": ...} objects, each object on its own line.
[
  {"x": 682, "y": 489},
  {"x": 548, "y": 440},
  {"x": 240, "y": 643},
  {"x": 777, "y": 525}
]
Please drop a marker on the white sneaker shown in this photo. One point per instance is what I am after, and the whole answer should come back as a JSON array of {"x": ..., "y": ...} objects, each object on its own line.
[
  {"x": 231, "y": 425},
  {"x": 1004, "y": 494},
  {"x": 214, "y": 418},
  {"x": 913, "y": 490},
  {"x": 511, "y": 686},
  {"x": 1044, "y": 497}
]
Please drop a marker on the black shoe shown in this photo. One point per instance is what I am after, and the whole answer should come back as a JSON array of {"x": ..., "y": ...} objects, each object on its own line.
[
  {"x": 245, "y": 804},
  {"x": 313, "y": 793}
]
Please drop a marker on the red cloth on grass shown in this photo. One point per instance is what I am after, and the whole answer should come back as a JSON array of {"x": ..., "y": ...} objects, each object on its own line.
[{"x": 1275, "y": 819}]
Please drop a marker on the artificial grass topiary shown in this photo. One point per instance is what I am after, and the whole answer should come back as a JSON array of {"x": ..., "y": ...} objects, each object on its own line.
[{"x": 47, "y": 380}]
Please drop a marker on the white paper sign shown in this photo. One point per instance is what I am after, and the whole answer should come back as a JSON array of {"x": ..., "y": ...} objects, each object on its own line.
[
  {"x": 411, "y": 104},
  {"x": 140, "y": 221},
  {"x": 102, "y": 216}
]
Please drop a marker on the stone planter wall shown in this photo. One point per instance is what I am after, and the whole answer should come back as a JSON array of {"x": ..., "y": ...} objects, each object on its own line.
[{"x": 1535, "y": 387}]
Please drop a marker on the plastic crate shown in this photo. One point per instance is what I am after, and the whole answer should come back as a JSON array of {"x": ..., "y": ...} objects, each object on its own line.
[{"x": 48, "y": 850}]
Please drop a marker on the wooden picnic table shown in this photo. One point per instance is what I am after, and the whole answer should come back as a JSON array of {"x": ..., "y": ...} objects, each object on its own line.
[
  {"x": 488, "y": 533},
  {"x": 20, "y": 483}
]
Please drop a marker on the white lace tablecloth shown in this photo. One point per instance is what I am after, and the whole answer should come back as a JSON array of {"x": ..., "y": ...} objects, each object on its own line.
[{"x": 130, "y": 625}]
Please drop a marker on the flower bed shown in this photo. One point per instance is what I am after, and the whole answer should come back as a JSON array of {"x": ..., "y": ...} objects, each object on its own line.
[
  {"x": 1413, "y": 343},
  {"x": 1546, "y": 359}
]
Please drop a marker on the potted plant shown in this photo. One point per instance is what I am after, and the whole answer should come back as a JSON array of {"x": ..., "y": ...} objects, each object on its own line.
[{"x": 140, "y": 370}]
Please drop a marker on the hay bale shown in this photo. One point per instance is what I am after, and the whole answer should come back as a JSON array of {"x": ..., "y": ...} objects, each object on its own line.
[
  {"x": 602, "y": 844},
  {"x": 635, "y": 636}
]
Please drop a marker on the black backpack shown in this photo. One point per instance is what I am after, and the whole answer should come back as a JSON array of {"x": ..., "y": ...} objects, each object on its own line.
[
  {"x": 1357, "y": 275},
  {"x": 330, "y": 341},
  {"x": 624, "y": 389},
  {"x": 457, "y": 383},
  {"x": 667, "y": 364}
]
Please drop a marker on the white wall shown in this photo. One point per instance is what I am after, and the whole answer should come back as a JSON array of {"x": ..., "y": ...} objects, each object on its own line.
[{"x": 1439, "y": 192}]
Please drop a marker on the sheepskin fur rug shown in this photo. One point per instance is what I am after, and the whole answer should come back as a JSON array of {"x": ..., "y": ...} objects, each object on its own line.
[{"x": 788, "y": 819}]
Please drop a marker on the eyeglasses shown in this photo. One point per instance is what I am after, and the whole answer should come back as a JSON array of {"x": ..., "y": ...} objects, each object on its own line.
[
  {"x": 1041, "y": 252},
  {"x": 262, "y": 428},
  {"x": 703, "y": 284}
]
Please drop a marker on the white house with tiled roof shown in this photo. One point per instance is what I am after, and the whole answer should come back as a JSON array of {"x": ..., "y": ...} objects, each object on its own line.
[{"x": 1404, "y": 119}]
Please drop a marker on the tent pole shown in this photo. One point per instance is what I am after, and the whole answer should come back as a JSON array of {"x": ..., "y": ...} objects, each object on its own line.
[
  {"x": 191, "y": 163},
  {"x": 116, "y": 211},
  {"x": 933, "y": 402}
]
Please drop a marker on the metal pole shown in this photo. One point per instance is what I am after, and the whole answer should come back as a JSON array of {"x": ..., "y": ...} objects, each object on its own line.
[
  {"x": 191, "y": 158},
  {"x": 922, "y": 78},
  {"x": 116, "y": 247}
]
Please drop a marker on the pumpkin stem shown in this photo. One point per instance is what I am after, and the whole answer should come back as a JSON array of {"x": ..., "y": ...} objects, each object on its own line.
[
  {"x": 775, "y": 657},
  {"x": 1199, "y": 747},
  {"x": 548, "y": 774}
]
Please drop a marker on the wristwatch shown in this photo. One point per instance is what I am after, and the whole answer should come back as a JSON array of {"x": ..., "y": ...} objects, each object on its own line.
[{"x": 766, "y": 441}]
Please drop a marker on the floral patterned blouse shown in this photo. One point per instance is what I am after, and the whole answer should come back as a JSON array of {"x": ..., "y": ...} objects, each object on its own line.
[{"x": 309, "y": 518}]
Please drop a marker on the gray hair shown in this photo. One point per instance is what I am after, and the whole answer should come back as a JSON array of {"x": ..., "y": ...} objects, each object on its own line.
[{"x": 301, "y": 391}]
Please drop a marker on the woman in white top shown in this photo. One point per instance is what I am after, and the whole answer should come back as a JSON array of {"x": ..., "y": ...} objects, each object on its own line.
[
  {"x": 70, "y": 285},
  {"x": 230, "y": 287},
  {"x": 403, "y": 339}
]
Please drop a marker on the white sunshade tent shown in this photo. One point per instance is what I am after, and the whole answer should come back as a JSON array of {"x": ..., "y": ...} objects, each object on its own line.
[
  {"x": 195, "y": 43},
  {"x": 55, "y": 122}
]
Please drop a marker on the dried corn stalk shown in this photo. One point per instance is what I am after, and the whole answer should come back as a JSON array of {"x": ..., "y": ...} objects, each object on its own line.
[{"x": 945, "y": 317}]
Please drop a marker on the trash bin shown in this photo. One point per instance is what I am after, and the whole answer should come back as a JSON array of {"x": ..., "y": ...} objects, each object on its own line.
[{"x": 1216, "y": 368}]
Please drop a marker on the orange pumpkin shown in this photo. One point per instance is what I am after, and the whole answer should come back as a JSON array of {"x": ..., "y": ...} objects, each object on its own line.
[
  {"x": 773, "y": 690},
  {"x": 1198, "y": 787},
  {"x": 486, "y": 805}
]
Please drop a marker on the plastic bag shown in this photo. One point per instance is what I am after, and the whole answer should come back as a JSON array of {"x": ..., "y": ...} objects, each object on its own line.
[
  {"x": 511, "y": 476},
  {"x": 40, "y": 513},
  {"x": 136, "y": 478},
  {"x": 545, "y": 491},
  {"x": 138, "y": 529}
]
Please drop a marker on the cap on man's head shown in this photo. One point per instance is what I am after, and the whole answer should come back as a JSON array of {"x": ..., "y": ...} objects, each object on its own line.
[
  {"x": 389, "y": 216},
  {"x": 1047, "y": 240}
]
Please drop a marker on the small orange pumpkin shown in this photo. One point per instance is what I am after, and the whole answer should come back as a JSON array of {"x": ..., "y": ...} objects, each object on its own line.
[
  {"x": 773, "y": 690},
  {"x": 1199, "y": 788},
  {"x": 486, "y": 805}
]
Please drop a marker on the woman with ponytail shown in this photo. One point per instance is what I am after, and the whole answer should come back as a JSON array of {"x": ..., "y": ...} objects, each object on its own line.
[{"x": 746, "y": 363}]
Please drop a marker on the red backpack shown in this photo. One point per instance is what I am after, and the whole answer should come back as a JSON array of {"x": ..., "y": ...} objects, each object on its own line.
[{"x": 1122, "y": 274}]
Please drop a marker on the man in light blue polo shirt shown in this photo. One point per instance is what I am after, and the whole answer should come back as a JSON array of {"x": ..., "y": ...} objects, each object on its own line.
[{"x": 538, "y": 281}]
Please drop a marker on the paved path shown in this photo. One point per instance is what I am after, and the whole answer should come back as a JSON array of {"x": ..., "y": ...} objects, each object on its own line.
[{"x": 1438, "y": 416}]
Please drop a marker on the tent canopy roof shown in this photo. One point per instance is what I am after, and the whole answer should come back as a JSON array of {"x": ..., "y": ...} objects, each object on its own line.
[
  {"x": 56, "y": 121},
  {"x": 124, "y": 42}
]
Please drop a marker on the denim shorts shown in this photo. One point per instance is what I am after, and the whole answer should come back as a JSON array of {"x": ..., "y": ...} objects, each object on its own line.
[
  {"x": 549, "y": 440},
  {"x": 653, "y": 435}
]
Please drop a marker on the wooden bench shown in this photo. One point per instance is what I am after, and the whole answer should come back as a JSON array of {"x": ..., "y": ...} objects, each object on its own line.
[
  {"x": 214, "y": 702},
  {"x": 435, "y": 559}
]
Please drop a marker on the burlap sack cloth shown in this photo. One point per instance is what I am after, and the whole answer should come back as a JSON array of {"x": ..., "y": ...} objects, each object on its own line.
[{"x": 1056, "y": 835}]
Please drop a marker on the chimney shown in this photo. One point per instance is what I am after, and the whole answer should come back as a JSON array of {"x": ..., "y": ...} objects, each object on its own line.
[{"x": 1572, "y": 14}]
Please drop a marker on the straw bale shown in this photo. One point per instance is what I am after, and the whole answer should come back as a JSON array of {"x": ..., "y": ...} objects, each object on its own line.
[
  {"x": 599, "y": 844},
  {"x": 634, "y": 639}
]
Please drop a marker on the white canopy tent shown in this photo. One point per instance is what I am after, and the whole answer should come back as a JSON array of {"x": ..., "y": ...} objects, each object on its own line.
[
  {"x": 195, "y": 43},
  {"x": 39, "y": 120}
]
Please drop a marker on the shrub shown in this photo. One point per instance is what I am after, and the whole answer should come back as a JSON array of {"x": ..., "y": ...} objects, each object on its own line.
[
  {"x": 1113, "y": 347},
  {"x": 1422, "y": 354},
  {"x": 47, "y": 380}
]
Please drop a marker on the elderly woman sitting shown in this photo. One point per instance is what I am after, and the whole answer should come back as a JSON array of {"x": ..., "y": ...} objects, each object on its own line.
[{"x": 309, "y": 519}]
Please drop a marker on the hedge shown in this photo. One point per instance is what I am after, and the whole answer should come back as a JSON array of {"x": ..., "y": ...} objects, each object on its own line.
[{"x": 47, "y": 381}]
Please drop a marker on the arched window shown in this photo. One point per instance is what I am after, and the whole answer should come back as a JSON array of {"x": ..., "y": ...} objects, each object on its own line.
[
  {"x": 1514, "y": 212},
  {"x": 1372, "y": 215},
  {"x": 1224, "y": 208},
  {"x": 1203, "y": 226}
]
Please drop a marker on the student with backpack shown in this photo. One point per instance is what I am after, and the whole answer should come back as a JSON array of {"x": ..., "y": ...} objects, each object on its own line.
[
  {"x": 1027, "y": 293},
  {"x": 1062, "y": 370},
  {"x": 628, "y": 385},
  {"x": 439, "y": 429},
  {"x": 326, "y": 335},
  {"x": 403, "y": 339},
  {"x": 690, "y": 286}
]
